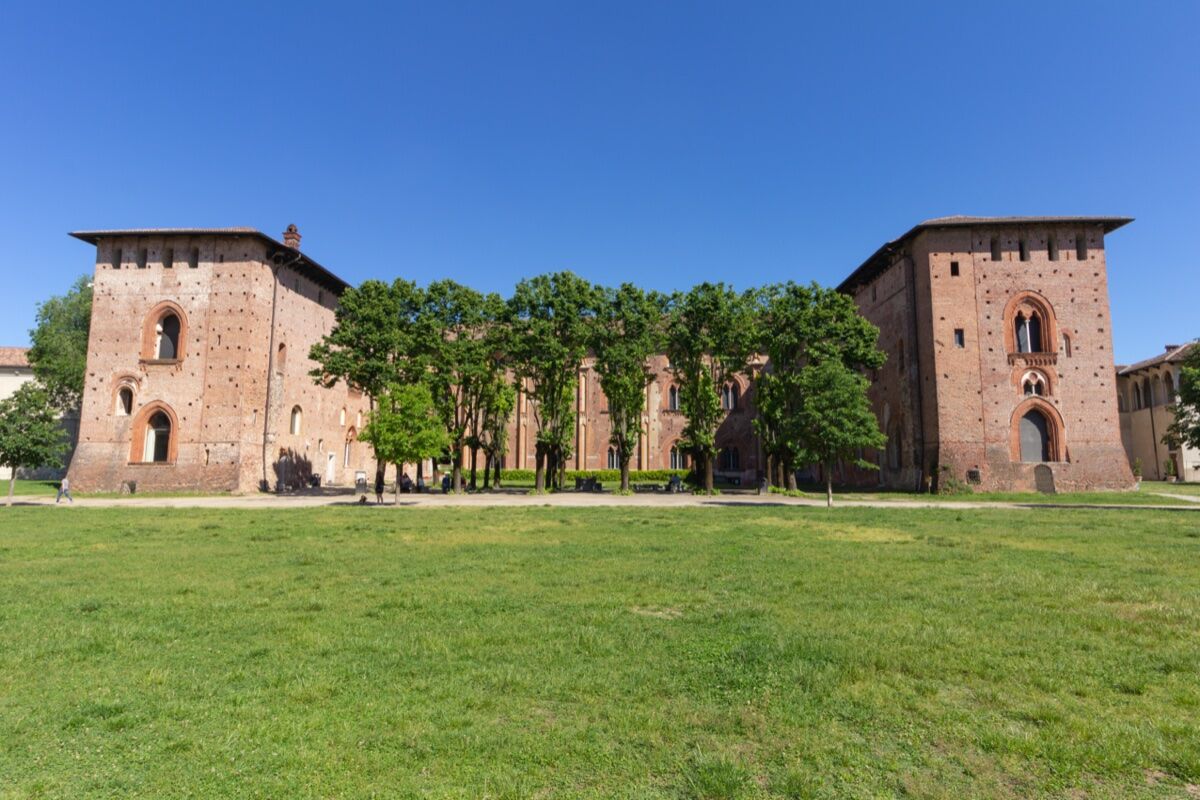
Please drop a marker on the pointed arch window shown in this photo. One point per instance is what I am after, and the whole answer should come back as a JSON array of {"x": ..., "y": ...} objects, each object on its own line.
[
  {"x": 166, "y": 341},
  {"x": 612, "y": 458},
  {"x": 673, "y": 398},
  {"x": 124, "y": 401}
]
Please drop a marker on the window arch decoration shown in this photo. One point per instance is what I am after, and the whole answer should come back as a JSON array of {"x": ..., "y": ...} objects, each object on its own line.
[
  {"x": 1055, "y": 439},
  {"x": 296, "y": 421},
  {"x": 347, "y": 446},
  {"x": 678, "y": 457},
  {"x": 1168, "y": 388},
  {"x": 730, "y": 396},
  {"x": 124, "y": 395},
  {"x": 673, "y": 398},
  {"x": 164, "y": 333},
  {"x": 1029, "y": 324},
  {"x": 1035, "y": 383},
  {"x": 612, "y": 459},
  {"x": 155, "y": 437}
]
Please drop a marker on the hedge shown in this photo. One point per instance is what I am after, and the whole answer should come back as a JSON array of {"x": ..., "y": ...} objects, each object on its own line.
[{"x": 602, "y": 475}]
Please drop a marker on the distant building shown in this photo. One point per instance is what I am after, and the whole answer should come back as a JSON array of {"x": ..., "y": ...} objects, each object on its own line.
[
  {"x": 14, "y": 371},
  {"x": 1146, "y": 390}
]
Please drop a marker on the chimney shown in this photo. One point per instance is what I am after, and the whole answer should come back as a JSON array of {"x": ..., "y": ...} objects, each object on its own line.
[
  {"x": 1171, "y": 347},
  {"x": 291, "y": 237}
]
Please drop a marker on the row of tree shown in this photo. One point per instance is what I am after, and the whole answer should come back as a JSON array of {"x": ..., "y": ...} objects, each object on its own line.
[{"x": 440, "y": 365}]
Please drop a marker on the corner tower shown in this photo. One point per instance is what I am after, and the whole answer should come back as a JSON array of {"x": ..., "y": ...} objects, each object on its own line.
[{"x": 999, "y": 342}]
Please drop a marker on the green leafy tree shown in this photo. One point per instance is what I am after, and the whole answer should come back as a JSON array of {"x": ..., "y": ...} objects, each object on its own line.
[
  {"x": 833, "y": 420},
  {"x": 405, "y": 427},
  {"x": 550, "y": 318},
  {"x": 453, "y": 324},
  {"x": 31, "y": 435},
  {"x": 799, "y": 326},
  {"x": 710, "y": 338},
  {"x": 59, "y": 344},
  {"x": 1185, "y": 428},
  {"x": 628, "y": 330},
  {"x": 373, "y": 343},
  {"x": 499, "y": 400}
]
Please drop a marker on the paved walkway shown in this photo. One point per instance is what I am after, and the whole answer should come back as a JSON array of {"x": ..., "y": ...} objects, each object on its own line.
[{"x": 517, "y": 498}]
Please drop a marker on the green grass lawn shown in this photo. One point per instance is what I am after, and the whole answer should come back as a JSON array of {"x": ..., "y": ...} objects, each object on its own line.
[{"x": 635, "y": 653}]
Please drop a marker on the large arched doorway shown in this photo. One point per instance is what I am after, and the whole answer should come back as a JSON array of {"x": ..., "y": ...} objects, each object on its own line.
[{"x": 1034, "y": 437}]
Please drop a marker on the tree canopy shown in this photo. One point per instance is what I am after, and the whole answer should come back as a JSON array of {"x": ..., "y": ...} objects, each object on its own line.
[
  {"x": 550, "y": 319},
  {"x": 709, "y": 339},
  {"x": 405, "y": 427},
  {"x": 31, "y": 435},
  {"x": 1185, "y": 428},
  {"x": 628, "y": 330},
  {"x": 60, "y": 343}
]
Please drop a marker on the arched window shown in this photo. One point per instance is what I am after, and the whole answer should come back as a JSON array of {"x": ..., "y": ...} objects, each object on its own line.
[
  {"x": 281, "y": 358},
  {"x": 297, "y": 419},
  {"x": 166, "y": 343},
  {"x": 1029, "y": 333},
  {"x": 342, "y": 418},
  {"x": 125, "y": 401},
  {"x": 1034, "y": 384},
  {"x": 1147, "y": 393},
  {"x": 673, "y": 398},
  {"x": 678, "y": 458},
  {"x": 350, "y": 435},
  {"x": 729, "y": 460},
  {"x": 157, "y": 443},
  {"x": 1035, "y": 437},
  {"x": 1168, "y": 388},
  {"x": 1066, "y": 345},
  {"x": 612, "y": 458},
  {"x": 1137, "y": 396}
]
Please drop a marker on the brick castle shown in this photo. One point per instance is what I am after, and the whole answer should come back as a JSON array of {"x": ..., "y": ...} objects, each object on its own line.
[{"x": 999, "y": 373}]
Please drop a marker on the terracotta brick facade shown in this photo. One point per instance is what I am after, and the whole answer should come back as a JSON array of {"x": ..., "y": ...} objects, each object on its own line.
[
  {"x": 949, "y": 297},
  {"x": 967, "y": 394},
  {"x": 248, "y": 310}
]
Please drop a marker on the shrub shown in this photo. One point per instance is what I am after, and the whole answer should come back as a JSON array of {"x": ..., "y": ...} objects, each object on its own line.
[{"x": 602, "y": 475}]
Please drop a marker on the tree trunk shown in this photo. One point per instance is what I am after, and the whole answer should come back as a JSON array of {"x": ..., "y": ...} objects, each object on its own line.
[
  {"x": 12, "y": 482},
  {"x": 708, "y": 473},
  {"x": 456, "y": 469},
  {"x": 789, "y": 473},
  {"x": 770, "y": 469},
  {"x": 539, "y": 479},
  {"x": 828, "y": 488},
  {"x": 396, "y": 488},
  {"x": 420, "y": 472},
  {"x": 625, "y": 474},
  {"x": 487, "y": 471},
  {"x": 474, "y": 456},
  {"x": 496, "y": 480}
]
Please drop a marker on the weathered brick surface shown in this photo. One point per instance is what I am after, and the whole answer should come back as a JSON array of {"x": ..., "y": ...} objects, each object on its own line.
[
  {"x": 217, "y": 390},
  {"x": 969, "y": 399}
]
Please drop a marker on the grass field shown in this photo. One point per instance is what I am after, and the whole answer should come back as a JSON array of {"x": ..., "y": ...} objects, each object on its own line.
[{"x": 690, "y": 653}]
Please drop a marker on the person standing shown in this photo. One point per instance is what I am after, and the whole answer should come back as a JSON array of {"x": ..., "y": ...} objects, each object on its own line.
[
  {"x": 64, "y": 490},
  {"x": 379, "y": 488}
]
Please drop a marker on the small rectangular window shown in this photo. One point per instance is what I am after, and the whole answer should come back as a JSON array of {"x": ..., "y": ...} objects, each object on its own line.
[
  {"x": 960, "y": 339},
  {"x": 169, "y": 259},
  {"x": 116, "y": 259},
  {"x": 141, "y": 259},
  {"x": 954, "y": 269},
  {"x": 995, "y": 248},
  {"x": 195, "y": 262},
  {"x": 1024, "y": 245},
  {"x": 1052, "y": 247},
  {"x": 1081, "y": 247}
]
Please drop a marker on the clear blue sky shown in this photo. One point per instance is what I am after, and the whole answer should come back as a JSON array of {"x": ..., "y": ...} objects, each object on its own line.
[{"x": 655, "y": 142}]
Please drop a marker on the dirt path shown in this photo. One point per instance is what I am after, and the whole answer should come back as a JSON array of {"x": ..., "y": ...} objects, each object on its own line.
[{"x": 560, "y": 500}]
